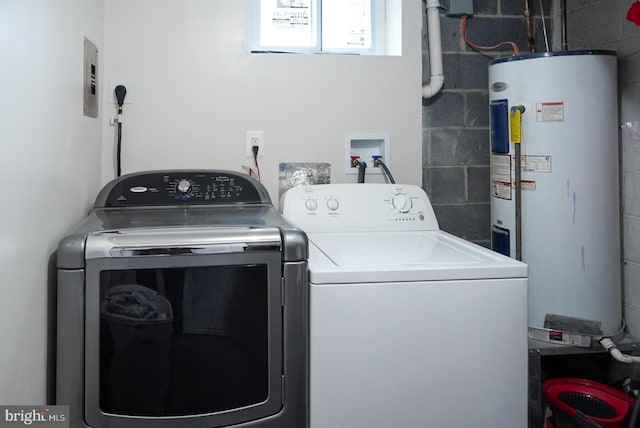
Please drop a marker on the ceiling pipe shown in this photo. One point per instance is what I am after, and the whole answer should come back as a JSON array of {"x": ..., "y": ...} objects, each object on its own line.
[{"x": 436, "y": 74}]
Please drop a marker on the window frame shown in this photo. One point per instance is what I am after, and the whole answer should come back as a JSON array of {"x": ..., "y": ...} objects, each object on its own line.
[{"x": 377, "y": 23}]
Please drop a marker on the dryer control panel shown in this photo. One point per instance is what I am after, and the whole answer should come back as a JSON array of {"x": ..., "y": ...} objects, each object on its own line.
[
  {"x": 182, "y": 187},
  {"x": 358, "y": 208}
]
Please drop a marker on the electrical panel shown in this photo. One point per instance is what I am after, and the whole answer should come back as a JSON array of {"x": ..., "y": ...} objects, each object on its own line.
[
  {"x": 90, "y": 98},
  {"x": 460, "y": 8}
]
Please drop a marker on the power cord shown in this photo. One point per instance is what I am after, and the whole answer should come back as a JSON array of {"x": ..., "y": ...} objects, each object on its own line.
[
  {"x": 516, "y": 50},
  {"x": 121, "y": 93},
  {"x": 254, "y": 150}
]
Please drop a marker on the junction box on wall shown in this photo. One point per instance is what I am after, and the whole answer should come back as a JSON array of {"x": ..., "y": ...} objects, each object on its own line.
[{"x": 460, "y": 8}]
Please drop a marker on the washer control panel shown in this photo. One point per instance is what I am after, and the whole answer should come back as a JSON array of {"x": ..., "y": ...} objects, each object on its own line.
[
  {"x": 358, "y": 207},
  {"x": 182, "y": 187}
]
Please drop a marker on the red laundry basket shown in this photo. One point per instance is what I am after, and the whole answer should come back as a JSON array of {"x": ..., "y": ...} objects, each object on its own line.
[{"x": 584, "y": 403}]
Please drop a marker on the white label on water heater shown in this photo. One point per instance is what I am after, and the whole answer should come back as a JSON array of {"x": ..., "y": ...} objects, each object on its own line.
[
  {"x": 536, "y": 163},
  {"x": 501, "y": 168},
  {"x": 550, "y": 112},
  {"x": 562, "y": 337}
]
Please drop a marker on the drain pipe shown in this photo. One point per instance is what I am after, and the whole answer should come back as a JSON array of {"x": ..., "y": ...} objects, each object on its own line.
[
  {"x": 436, "y": 74},
  {"x": 610, "y": 346},
  {"x": 612, "y": 349}
]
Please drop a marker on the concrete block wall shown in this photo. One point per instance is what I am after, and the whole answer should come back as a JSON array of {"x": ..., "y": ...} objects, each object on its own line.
[
  {"x": 602, "y": 24},
  {"x": 456, "y": 121}
]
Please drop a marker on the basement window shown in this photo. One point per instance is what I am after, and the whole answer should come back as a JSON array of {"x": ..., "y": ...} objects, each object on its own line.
[{"x": 318, "y": 26}]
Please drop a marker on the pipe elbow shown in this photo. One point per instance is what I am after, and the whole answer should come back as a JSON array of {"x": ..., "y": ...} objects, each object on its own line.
[
  {"x": 436, "y": 79},
  {"x": 433, "y": 87}
]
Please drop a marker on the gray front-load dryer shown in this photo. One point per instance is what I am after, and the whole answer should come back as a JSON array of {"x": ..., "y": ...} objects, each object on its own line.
[{"x": 182, "y": 301}]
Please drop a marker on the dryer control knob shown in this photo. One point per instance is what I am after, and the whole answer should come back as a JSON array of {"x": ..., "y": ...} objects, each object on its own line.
[
  {"x": 183, "y": 186},
  {"x": 333, "y": 204},
  {"x": 401, "y": 202},
  {"x": 311, "y": 204}
]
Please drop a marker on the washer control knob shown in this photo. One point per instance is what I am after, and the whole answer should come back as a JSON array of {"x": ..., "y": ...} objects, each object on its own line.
[
  {"x": 333, "y": 204},
  {"x": 183, "y": 186},
  {"x": 401, "y": 202},
  {"x": 311, "y": 204}
]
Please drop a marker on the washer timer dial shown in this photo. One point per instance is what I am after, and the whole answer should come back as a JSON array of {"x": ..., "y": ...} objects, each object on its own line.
[{"x": 401, "y": 202}]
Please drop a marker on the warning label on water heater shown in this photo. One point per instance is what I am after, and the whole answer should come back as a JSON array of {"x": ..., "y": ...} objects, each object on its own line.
[
  {"x": 501, "y": 176},
  {"x": 550, "y": 112}
]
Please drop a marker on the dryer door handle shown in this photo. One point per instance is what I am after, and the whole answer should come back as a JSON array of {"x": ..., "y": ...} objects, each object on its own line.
[
  {"x": 180, "y": 242},
  {"x": 178, "y": 251}
]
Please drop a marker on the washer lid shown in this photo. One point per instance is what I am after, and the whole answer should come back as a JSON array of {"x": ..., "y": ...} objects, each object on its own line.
[{"x": 404, "y": 256}]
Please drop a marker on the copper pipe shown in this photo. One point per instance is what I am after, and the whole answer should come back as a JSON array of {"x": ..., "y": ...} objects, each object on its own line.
[{"x": 530, "y": 26}]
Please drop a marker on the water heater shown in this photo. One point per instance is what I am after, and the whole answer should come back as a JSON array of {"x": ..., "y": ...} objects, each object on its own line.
[{"x": 559, "y": 112}]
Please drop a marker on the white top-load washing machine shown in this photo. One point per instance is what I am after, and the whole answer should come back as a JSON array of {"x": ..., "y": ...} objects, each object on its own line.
[{"x": 409, "y": 326}]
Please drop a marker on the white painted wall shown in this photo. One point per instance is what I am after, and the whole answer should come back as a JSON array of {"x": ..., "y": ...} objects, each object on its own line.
[
  {"x": 48, "y": 170},
  {"x": 601, "y": 24},
  {"x": 196, "y": 91}
]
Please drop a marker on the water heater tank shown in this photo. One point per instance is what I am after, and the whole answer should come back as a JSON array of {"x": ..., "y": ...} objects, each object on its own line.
[{"x": 570, "y": 220}]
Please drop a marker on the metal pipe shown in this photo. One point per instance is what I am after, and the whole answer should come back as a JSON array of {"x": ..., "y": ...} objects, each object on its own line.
[
  {"x": 544, "y": 27},
  {"x": 528, "y": 16},
  {"x": 563, "y": 20},
  {"x": 518, "y": 192},
  {"x": 516, "y": 138}
]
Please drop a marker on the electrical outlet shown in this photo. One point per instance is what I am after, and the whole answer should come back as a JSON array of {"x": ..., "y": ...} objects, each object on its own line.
[
  {"x": 254, "y": 138},
  {"x": 127, "y": 83}
]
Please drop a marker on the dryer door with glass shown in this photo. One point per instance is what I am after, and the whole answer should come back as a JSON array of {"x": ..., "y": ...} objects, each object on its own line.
[{"x": 183, "y": 327}]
